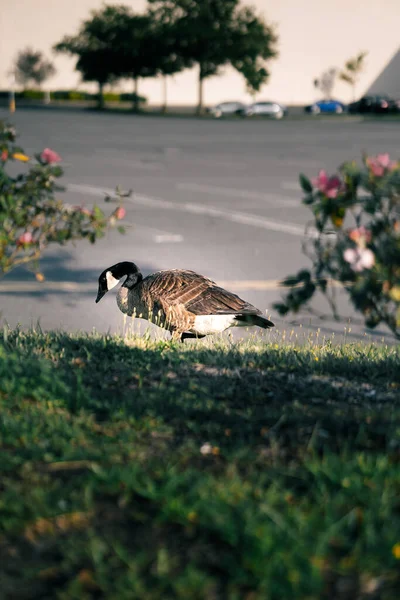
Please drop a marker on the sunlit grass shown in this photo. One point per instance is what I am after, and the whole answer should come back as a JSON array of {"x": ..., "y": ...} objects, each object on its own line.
[{"x": 134, "y": 467}]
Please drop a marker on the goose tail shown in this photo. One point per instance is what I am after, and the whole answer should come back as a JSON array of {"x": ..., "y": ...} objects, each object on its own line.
[{"x": 257, "y": 320}]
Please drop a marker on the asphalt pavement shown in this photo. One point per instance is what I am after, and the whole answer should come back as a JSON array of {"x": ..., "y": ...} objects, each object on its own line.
[{"x": 218, "y": 197}]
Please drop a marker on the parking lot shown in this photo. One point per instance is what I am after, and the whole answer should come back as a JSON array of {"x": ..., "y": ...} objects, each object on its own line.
[{"x": 220, "y": 197}]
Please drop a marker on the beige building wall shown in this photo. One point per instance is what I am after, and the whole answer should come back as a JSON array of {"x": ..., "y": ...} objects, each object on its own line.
[{"x": 313, "y": 35}]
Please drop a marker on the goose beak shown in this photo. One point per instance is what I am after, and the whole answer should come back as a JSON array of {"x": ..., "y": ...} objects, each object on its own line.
[{"x": 99, "y": 296}]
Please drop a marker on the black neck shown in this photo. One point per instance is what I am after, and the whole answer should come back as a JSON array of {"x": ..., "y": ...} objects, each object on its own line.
[
  {"x": 132, "y": 280},
  {"x": 133, "y": 275}
]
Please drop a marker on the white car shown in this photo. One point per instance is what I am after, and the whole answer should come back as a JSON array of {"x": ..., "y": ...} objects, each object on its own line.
[
  {"x": 267, "y": 109},
  {"x": 227, "y": 109}
]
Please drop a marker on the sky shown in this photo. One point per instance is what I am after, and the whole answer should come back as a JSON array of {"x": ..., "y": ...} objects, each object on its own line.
[{"x": 313, "y": 36}]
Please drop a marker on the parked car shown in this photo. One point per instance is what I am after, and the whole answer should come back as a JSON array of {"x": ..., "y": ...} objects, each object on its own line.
[
  {"x": 326, "y": 106},
  {"x": 376, "y": 105},
  {"x": 227, "y": 109},
  {"x": 266, "y": 109}
]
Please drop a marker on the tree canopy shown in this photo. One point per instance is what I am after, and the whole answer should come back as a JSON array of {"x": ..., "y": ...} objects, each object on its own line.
[
  {"x": 172, "y": 35},
  {"x": 352, "y": 70},
  {"x": 326, "y": 82},
  {"x": 94, "y": 48},
  {"x": 254, "y": 43},
  {"x": 32, "y": 67},
  {"x": 215, "y": 33}
]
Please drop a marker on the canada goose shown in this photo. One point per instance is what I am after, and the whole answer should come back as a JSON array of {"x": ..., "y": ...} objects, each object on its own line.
[{"x": 187, "y": 304}]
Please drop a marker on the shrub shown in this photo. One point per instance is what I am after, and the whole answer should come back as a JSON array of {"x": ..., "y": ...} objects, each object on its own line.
[
  {"x": 131, "y": 97},
  {"x": 73, "y": 95},
  {"x": 111, "y": 97},
  {"x": 33, "y": 94},
  {"x": 68, "y": 95},
  {"x": 31, "y": 217},
  {"x": 355, "y": 240}
]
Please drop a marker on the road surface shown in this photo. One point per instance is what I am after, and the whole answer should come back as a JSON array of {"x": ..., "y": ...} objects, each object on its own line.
[{"x": 218, "y": 197}]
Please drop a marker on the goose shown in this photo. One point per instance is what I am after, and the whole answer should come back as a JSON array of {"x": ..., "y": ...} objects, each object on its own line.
[{"x": 189, "y": 305}]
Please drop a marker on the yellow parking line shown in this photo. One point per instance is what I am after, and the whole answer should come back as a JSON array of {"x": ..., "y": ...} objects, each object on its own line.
[{"x": 80, "y": 287}]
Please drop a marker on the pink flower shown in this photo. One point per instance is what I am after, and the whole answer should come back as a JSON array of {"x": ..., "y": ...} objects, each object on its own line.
[
  {"x": 359, "y": 258},
  {"x": 85, "y": 211},
  {"x": 49, "y": 156},
  {"x": 361, "y": 236},
  {"x": 4, "y": 156},
  {"x": 329, "y": 186},
  {"x": 25, "y": 238},
  {"x": 380, "y": 164},
  {"x": 120, "y": 212}
]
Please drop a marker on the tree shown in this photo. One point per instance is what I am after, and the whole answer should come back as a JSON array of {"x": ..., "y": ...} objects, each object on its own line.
[
  {"x": 255, "y": 76},
  {"x": 352, "y": 71},
  {"x": 32, "y": 66},
  {"x": 115, "y": 43},
  {"x": 214, "y": 33},
  {"x": 137, "y": 46},
  {"x": 95, "y": 47},
  {"x": 254, "y": 43},
  {"x": 166, "y": 44},
  {"x": 326, "y": 82},
  {"x": 205, "y": 28}
]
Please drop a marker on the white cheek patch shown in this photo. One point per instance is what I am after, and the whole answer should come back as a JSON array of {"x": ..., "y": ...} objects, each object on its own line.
[{"x": 111, "y": 281}]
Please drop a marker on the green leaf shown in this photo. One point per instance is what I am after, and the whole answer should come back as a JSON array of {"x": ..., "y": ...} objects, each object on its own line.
[
  {"x": 304, "y": 275},
  {"x": 305, "y": 183},
  {"x": 281, "y": 308},
  {"x": 290, "y": 281},
  {"x": 322, "y": 284}
]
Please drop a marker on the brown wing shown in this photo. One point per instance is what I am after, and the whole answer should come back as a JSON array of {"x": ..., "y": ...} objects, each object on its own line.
[{"x": 197, "y": 294}]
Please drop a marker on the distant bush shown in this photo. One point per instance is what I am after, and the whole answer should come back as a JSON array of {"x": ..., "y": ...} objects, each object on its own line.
[
  {"x": 112, "y": 97},
  {"x": 33, "y": 94},
  {"x": 354, "y": 239},
  {"x": 68, "y": 95},
  {"x": 5, "y": 94},
  {"x": 131, "y": 97},
  {"x": 71, "y": 95}
]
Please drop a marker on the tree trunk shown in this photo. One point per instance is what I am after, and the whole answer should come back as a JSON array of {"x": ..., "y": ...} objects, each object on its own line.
[
  {"x": 200, "y": 100},
  {"x": 135, "y": 103},
  {"x": 164, "y": 100},
  {"x": 100, "y": 97}
]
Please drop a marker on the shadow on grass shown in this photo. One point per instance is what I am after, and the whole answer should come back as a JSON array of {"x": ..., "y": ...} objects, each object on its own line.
[
  {"x": 139, "y": 469},
  {"x": 221, "y": 393}
]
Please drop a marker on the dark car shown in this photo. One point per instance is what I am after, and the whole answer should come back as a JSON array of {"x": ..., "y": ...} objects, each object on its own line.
[
  {"x": 328, "y": 105},
  {"x": 375, "y": 105}
]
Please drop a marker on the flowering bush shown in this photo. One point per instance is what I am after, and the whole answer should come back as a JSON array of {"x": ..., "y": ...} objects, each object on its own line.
[
  {"x": 354, "y": 239},
  {"x": 31, "y": 217}
]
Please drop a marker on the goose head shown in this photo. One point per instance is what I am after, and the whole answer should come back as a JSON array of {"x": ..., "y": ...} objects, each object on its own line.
[{"x": 110, "y": 277}]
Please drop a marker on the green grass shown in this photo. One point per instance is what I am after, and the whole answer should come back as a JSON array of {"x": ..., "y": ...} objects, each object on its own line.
[{"x": 139, "y": 469}]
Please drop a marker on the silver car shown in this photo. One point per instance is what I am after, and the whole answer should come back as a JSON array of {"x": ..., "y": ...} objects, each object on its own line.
[
  {"x": 267, "y": 109},
  {"x": 225, "y": 109}
]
